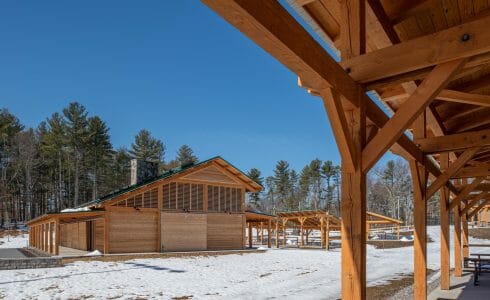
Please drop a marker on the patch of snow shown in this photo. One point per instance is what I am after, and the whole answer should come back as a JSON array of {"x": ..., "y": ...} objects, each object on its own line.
[
  {"x": 19, "y": 241},
  {"x": 406, "y": 238},
  {"x": 262, "y": 248},
  {"x": 80, "y": 209},
  {"x": 94, "y": 253}
]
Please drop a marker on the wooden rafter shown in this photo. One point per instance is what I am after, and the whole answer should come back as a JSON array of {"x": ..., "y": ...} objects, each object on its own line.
[
  {"x": 450, "y": 171},
  {"x": 336, "y": 115},
  {"x": 465, "y": 192},
  {"x": 469, "y": 172},
  {"x": 478, "y": 208},
  {"x": 454, "y": 142},
  {"x": 409, "y": 111},
  {"x": 421, "y": 52}
]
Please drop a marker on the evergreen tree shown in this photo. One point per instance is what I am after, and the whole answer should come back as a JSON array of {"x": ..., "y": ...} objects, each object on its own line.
[
  {"x": 76, "y": 135},
  {"x": 146, "y": 147},
  {"x": 119, "y": 170},
  {"x": 185, "y": 155},
  {"x": 99, "y": 151},
  {"x": 316, "y": 182},
  {"x": 282, "y": 183},
  {"x": 254, "y": 198}
]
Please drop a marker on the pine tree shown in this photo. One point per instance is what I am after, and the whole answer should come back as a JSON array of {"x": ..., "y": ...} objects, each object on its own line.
[
  {"x": 186, "y": 156},
  {"x": 99, "y": 151},
  {"x": 282, "y": 183},
  {"x": 77, "y": 135},
  {"x": 316, "y": 182},
  {"x": 254, "y": 198},
  {"x": 119, "y": 174},
  {"x": 146, "y": 147}
]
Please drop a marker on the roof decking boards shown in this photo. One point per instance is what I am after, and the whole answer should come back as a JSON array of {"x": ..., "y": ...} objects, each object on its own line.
[{"x": 428, "y": 61}]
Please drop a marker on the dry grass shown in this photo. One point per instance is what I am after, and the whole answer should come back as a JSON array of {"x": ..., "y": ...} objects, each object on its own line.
[
  {"x": 392, "y": 289},
  {"x": 4, "y": 233},
  {"x": 480, "y": 233}
]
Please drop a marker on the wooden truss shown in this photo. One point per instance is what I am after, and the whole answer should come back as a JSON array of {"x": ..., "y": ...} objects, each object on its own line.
[{"x": 429, "y": 64}]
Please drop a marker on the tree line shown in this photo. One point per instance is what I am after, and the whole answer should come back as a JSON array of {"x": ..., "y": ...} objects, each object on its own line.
[
  {"x": 318, "y": 186},
  {"x": 67, "y": 160}
]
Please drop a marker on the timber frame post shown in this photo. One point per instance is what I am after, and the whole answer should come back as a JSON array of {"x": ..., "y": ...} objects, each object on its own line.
[
  {"x": 250, "y": 235},
  {"x": 419, "y": 177},
  {"x": 277, "y": 233},
  {"x": 465, "y": 240},
  {"x": 457, "y": 242},
  {"x": 444, "y": 220}
]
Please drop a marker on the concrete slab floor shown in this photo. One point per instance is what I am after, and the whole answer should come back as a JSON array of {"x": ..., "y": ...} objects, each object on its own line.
[
  {"x": 7, "y": 253},
  {"x": 463, "y": 288}
]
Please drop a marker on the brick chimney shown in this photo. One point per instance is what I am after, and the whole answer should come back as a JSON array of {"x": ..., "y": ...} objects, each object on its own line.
[{"x": 142, "y": 170}]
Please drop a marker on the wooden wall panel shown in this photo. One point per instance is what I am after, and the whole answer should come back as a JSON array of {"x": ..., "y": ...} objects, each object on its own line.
[
  {"x": 225, "y": 231},
  {"x": 213, "y": 175},
  {"x": 184, "y": 232},
  {"x": 132, "y": 232},
  {"x": 99, "y": 235},
  {"x": 74, "y": 235}
]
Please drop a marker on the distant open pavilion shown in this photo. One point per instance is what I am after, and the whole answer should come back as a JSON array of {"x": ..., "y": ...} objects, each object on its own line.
[{"x": 428, "y": 63}]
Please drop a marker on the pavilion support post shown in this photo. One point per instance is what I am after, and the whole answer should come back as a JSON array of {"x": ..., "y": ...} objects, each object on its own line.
[
  {"x": 277, "y": 233},
  {"x": 327, "y": 236},
  {"x": 58, "y": 237},
  {"x": 465, "y": 242},
  {"x": 269, "y": 235},
  {"x": 260, "y": 233},
  {"x": 46, "y": 237},
  {"x": 485, "y": 216},
  {"x": 307, "y": 236},
  {"x": 322, "y": 232},
  {"x": 301, "y": 221},
  {"x": 353, "y": 211},
  {"x": 419, "y": 177},
  {"x": 444, "y": 219},
  {"x": 284, "y": 222},
  {"x": 250, "y": 235},
  {"x": 457, "y": 242},
  {"x": 51, "y": 237},
  {"x": 398, "y": 232}
]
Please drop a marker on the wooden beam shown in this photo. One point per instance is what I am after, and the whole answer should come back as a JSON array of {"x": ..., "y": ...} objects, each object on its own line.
[
  {"x": 469, "y": 172},
  {"x": 336, "y": 116},
  {"x": 408, "y": 112},
  {"x": 454, "y": 142},
  {"x": 419, "y": 178},
  {"x": 462, "y": 97},
  {"x": 384, "y": 20},
  {"x": 352, "y": 28},
  {"x": 478, "y": 208},
  {"x": 464, "y": 233},
  {"x": 465, "y": 192},
  {"x": 473, "y": 202},
  {"x": 451, "y": 170},
  {"x": 419, "y": 53},
  {"x": 444, "y": 220}
]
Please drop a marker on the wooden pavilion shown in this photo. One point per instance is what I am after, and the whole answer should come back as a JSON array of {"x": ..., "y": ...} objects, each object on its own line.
[
  {"x": 428, "y": 63},
  {"x": 192, "y": 208}
]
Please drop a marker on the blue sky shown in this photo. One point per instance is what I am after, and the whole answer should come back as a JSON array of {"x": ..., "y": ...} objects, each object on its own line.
[{"x": 172, "y": 67}]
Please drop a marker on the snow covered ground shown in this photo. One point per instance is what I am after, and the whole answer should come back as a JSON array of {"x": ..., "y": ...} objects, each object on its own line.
[
  {"x": 293, "y": 274},
  {"x": 18, "y": 241}
]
